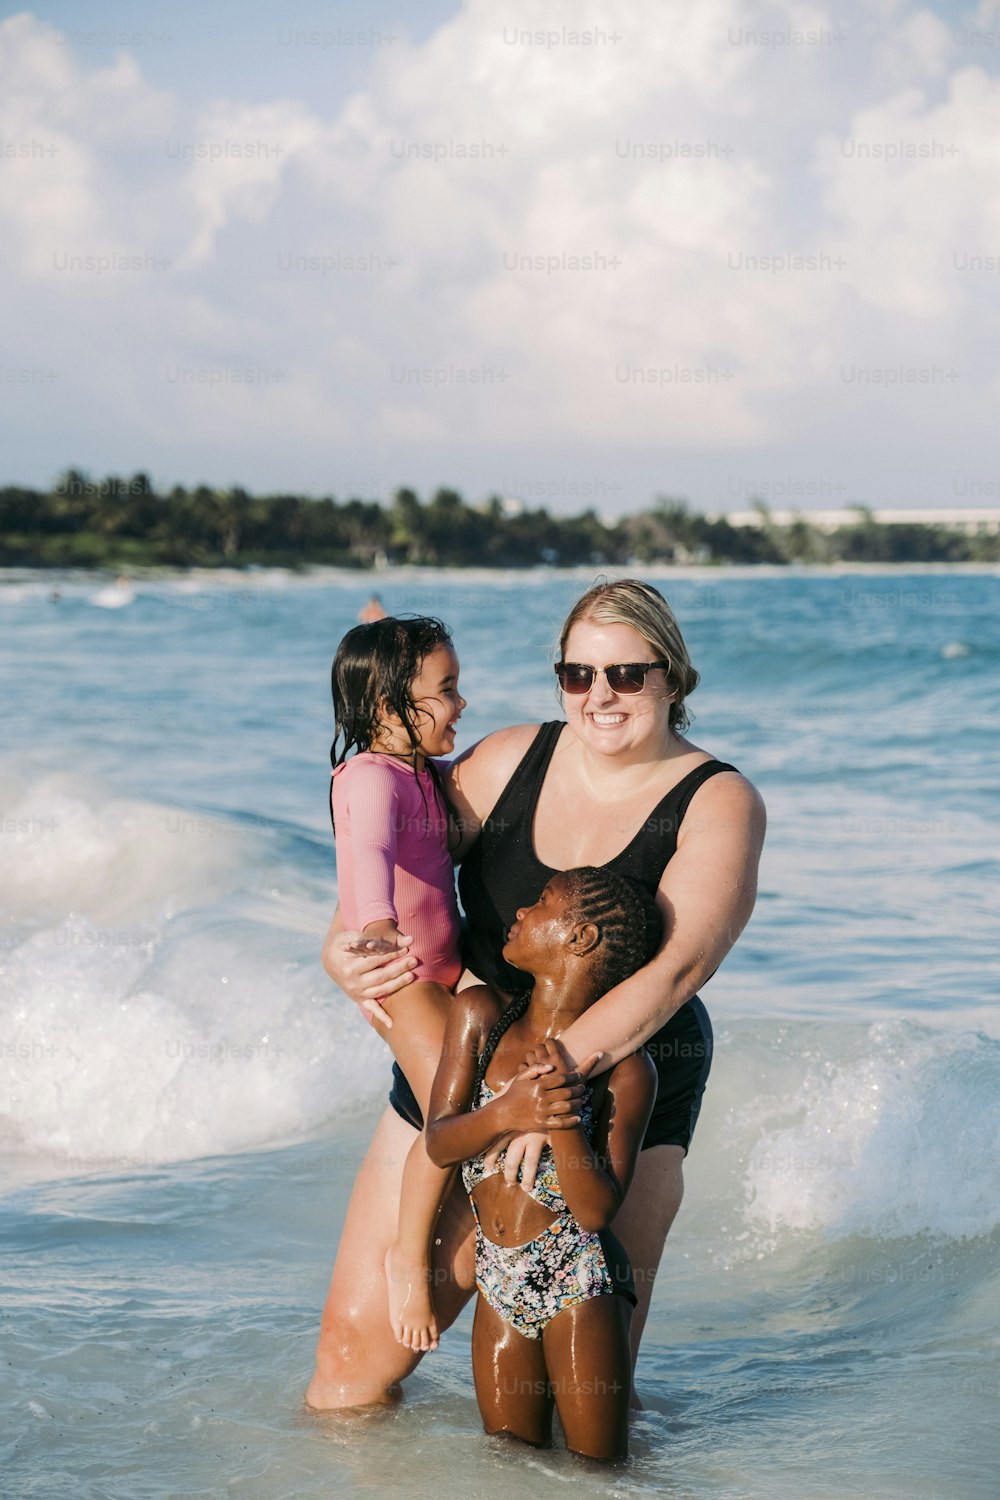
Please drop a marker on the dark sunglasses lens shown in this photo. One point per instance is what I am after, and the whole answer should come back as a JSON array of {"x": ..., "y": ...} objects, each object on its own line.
[
  {"x": 575, "y": 679},
  {"x": 626, "y": 678}
]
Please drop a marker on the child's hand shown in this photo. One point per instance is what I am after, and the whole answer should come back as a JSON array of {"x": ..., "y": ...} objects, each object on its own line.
[
  {"x": 364, "y": 944},
  {"x": 380, "y": 937}
]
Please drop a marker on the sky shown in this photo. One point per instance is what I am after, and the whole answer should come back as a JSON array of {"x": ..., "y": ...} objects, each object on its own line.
[{"x": 577, "y": 253}]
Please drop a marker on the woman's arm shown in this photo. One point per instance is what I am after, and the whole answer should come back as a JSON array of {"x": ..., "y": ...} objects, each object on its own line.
[
  {"x": 707, "y": 894},
  {"x": 595, "y": 1178}
]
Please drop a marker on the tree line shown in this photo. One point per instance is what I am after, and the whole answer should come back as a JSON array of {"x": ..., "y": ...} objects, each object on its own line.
[{"x": 119, "y": 523}]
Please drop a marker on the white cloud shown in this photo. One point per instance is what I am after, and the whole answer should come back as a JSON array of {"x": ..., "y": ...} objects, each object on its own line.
[
  {"x": 929, "y": 194},
  {"x": 233, "y": 161},
  {"x": 374, "y": 269},
  {"x": 921, "y": 45}
]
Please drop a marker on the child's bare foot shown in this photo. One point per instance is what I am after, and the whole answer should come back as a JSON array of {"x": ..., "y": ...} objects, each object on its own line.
[{"x": 411, "y": 1312}]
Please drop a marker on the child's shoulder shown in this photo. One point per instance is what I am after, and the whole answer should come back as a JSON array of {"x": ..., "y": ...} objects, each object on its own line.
[
  {"x": 367, "y": 765},
  {"x": 636, "y": 1071},
  {"x": 477, "y": 1009},
  {"x": 367, "y": 783}
]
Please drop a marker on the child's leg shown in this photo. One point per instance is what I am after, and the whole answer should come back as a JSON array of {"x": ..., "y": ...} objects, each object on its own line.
[
  {"x": 419, "y": 1013},
  {"x": 418, "y": 1016},
  {"x": 587, "y": 1354},
  {"x": 512, "y": 1385},
  {"x": 407, "y": 1261}
]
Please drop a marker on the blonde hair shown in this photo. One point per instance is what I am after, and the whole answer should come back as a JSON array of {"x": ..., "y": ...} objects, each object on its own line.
[{"x": 629, "y": 601}]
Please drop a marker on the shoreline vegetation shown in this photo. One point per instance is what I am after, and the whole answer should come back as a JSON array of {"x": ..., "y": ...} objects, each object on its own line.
[{"x": 117, "y": 523}]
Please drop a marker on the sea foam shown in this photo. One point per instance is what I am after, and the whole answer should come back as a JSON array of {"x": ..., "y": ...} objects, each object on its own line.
[
  {"x": 158, "y": 1002},
  {"x": 885, "y": 1131}
]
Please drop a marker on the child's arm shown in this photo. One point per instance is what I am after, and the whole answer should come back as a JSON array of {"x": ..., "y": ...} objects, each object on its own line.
[
  {"x": 595, "y": 1178},
  {"x": 368, "y": 858},
  {"x": 365, "y": 804},
  {"x": 455, "y": 1131},
  {"x": 470, "y": 1016}
]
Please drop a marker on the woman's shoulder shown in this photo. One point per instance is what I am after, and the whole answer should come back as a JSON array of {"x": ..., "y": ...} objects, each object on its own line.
[
  {"x": 724, "y": 782},
  {"x": 480, "y": 773},
  {"x": 723, "y": 808},
  {"x": 500, "y": 745},
  {"x": 716, "y": 779}
]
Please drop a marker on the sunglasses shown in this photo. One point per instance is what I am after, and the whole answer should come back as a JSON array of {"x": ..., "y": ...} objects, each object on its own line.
[{"x": 622, "y": 677}]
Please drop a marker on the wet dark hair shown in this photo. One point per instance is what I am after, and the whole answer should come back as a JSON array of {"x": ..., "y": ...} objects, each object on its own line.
[
  {"x": 626, "y": 917},
  {"x": 373, "y": 673}
]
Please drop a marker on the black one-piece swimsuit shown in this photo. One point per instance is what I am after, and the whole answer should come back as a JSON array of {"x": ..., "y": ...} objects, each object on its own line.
[{"x": 501, "y": 873}]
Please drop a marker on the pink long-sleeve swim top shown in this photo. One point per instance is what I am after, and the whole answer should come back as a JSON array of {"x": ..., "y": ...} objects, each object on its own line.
[{"x": 391, "y": 829}]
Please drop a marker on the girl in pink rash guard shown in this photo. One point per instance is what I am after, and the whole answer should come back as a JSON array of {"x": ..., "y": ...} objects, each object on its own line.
[{"x": 396, "y": 703}]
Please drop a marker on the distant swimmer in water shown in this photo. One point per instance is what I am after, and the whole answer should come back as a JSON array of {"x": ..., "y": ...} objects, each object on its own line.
[
  {"x": 116, "y": 595},
  {"x": 372, "y": 611}
]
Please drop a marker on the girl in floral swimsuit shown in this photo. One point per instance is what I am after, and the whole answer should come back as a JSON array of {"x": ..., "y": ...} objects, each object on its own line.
[{"x": 555, "y": 1286}]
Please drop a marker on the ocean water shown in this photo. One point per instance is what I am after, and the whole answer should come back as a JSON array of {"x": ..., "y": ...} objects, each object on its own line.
[{"x": 185, "y": 1096}]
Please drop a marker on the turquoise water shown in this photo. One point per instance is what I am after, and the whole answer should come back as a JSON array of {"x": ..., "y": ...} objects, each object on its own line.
[{"x": 185, "y": 1097}]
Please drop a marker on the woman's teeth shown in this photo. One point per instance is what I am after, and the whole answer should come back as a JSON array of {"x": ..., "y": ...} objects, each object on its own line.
[{"x": 608, "y": 718}]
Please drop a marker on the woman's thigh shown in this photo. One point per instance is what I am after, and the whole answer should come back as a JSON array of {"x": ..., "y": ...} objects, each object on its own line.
[
  {"x": 358, "y": 1360},
  {"x": 643, "y": 1222}
]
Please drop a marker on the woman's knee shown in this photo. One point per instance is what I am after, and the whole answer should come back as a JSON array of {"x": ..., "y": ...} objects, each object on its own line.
[
  {"x": 341, "y": 1341},
  {"x": 357, "y": 1364}
]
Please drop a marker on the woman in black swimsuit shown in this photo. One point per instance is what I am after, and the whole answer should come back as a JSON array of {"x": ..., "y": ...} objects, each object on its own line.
[{"x": 618, "y": 784}]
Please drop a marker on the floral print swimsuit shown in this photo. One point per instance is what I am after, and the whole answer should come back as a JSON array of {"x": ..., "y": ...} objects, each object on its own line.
[{"x": 561, "y": 1267}]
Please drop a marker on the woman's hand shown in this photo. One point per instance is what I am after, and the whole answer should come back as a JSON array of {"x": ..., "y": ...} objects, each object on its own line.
[
  {"x": 368, "y": 969},
  {"x": 542, "y": 1097},
  {"x": 524, "y": 1152}
]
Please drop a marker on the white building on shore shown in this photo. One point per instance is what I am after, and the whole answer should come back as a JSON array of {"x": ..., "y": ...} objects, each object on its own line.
[{"x": 979, "y": 520}]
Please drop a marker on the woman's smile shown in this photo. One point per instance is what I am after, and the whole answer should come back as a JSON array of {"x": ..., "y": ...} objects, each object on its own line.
[{"x": 617, "y": 722}]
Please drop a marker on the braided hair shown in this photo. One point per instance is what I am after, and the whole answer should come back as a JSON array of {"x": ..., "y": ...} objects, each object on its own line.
[
  {"x": 630, "y": 929},
  {"x": 627, "y": 918}
]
